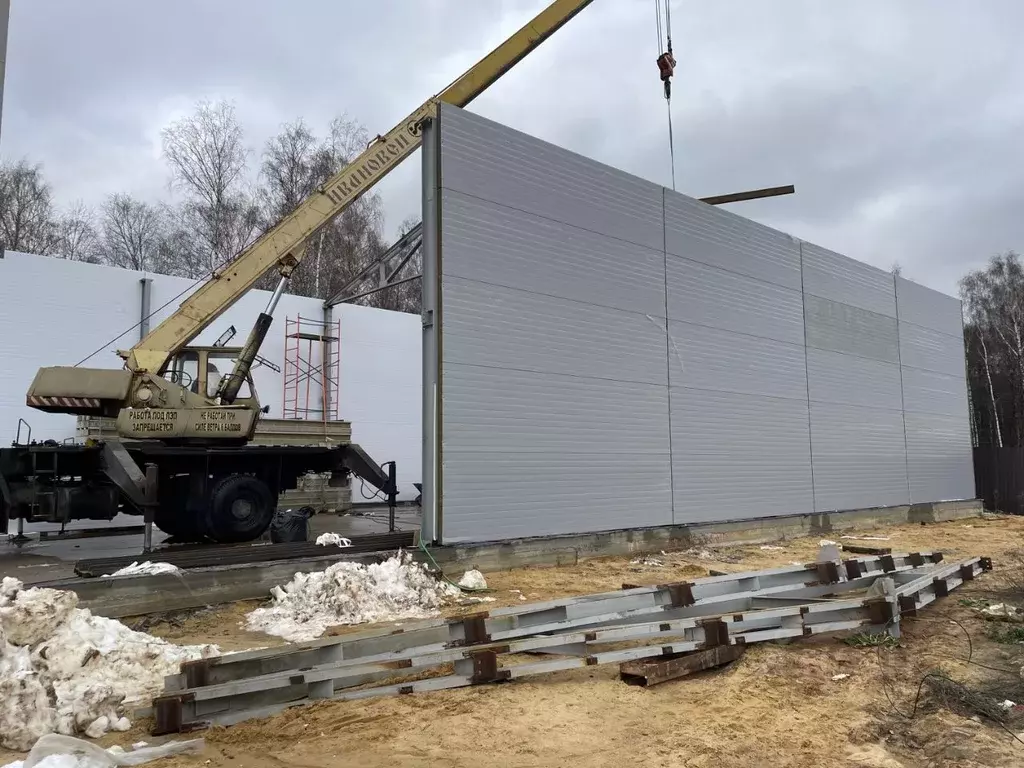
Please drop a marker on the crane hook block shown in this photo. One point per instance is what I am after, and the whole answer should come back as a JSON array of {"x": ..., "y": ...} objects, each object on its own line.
[{"x": 667, "y": 68}]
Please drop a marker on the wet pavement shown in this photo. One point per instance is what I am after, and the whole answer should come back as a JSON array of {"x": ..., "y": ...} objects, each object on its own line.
[{"x": 48, "y": 559}]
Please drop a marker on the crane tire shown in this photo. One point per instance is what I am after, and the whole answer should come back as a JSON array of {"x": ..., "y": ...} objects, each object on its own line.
[{"x": 241, "y": 508}]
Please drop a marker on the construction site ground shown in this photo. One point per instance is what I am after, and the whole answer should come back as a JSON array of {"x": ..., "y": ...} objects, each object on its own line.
[{"x": 779, "y": 705}]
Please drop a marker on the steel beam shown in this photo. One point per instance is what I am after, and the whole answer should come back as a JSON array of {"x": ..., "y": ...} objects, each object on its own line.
[
  {"x": 231, "y": 702},
  {"x": 712, "y": 594}
]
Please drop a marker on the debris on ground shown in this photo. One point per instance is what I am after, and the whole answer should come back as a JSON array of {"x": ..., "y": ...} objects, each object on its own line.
[
  {"x": 333, "y": 540},
  {"x": 771, "y": 548},
  {"x": 142, "y": 569},
  {"x": 473, "y": 580},
  {"x": 64, "y": 670},
  {"x": 55, "y": 751},
  {"x": 351, "y": 593},
  {"x": 647, "y": 561},
  {"x": 1003, "y": 612},
  {"x": 840, "y": 676},
  {"x": 866, "y": 538}
]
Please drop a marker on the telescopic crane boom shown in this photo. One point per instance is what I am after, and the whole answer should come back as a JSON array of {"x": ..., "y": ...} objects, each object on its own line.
[{"x": 281, "y": 247}]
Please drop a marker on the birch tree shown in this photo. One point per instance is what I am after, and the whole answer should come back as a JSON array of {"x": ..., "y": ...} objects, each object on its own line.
[
  {"x": 207, "y": 157},
  {"x": 26, "y": 209},
  {"x": 132, "y": 233}
]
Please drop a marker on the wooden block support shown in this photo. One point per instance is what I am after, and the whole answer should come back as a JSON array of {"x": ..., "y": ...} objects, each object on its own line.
[{"x": 648, "y": 672}]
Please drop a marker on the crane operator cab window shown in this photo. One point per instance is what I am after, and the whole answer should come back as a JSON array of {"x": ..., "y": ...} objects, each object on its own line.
[
  {"x": 184, "y": 370},
  {"x": 215, "y": 371}
]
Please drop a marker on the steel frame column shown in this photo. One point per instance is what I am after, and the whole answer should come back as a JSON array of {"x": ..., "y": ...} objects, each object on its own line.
[{"x": 430, "y": 527}]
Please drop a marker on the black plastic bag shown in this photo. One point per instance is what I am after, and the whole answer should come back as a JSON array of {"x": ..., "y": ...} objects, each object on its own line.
[{"x": 291, "y": 525}]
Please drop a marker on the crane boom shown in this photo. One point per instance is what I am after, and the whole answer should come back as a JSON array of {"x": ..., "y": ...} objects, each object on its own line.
[{"x": 282, "y": 246}]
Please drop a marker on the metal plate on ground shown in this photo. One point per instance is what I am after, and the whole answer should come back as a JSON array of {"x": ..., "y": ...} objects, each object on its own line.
[{"x": 214, "y": 555}]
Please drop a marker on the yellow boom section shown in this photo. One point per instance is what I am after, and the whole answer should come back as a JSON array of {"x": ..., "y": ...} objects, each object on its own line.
[{"x": 282, "y": 246}]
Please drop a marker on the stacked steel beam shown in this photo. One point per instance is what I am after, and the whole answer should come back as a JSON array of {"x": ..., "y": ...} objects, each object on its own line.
[{"x": 692, "y": 624}]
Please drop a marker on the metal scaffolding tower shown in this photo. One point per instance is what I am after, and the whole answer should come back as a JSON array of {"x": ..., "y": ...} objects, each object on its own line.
[{"x": 312, "y": 369}]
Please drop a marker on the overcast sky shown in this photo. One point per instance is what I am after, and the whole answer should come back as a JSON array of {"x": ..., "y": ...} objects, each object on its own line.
[{"x": 900, "y": 123}]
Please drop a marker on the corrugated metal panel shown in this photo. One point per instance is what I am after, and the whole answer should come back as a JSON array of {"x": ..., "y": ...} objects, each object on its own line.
[
  {"x": 719, "y": 238},
  {"x": 833, "y": 377},
  {"x": 488, "y": 325},
  {"x": 490, "y": 498},
  {"x": 940, "y": 458},
  {"x": 859, "y": 456},
  {"x": 931, "y": 392},
  {"x": 716, "y": 298},
  {"x": 493, "y": 244},
  {"x": 833, "y": 276},
  {"x": 841, "y": 328},
  {"x": 493, "y": 162},
  {"x": 710, "y": 358},
  {"x": 931, "y": 350},
  {"x": 739, "y": 456},
  {"x": 551, "y": 414},
  {"x": 929, "y": 309}
]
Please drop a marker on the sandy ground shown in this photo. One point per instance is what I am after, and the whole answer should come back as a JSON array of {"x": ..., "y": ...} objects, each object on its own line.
[{"x": 776, "y": 706}]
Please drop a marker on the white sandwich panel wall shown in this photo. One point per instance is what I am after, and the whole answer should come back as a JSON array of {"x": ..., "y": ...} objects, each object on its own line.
[
  {"x": 858, "y": 442},
  {"x": 939, "y": 451},
  {"x": 553, "y": 340},
  {"x": 617, "y": 355}
]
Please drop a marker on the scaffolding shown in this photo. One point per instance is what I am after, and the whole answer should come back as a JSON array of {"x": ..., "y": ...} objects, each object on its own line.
[{"x": 312, "y": 369}]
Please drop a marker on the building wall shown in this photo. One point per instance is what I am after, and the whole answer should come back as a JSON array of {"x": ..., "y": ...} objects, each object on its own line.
[
  {"x": 614, "y": 354},
  {"x": 57, "y": 312}
]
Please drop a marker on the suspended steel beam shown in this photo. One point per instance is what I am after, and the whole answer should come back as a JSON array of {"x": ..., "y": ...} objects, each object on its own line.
[{"x": 753, "y": 194}]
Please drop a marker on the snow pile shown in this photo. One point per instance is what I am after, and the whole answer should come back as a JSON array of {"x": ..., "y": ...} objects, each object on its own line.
[
  {"x": 473, "y": 580},
  {"x": 143, "y": 569},
  {"x": 63, "y": 669},
  {"x": 351, "y": 593},
  {"x": 333, "y": 539}
]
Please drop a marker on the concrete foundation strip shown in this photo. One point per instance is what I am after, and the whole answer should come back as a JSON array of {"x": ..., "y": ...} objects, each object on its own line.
[
  {"x": 231, "y": 702},
  {"x": 678, "y": 600}
]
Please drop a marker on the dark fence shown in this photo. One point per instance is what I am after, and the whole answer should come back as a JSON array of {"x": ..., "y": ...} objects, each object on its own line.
[{"x": 999, "y": 478}]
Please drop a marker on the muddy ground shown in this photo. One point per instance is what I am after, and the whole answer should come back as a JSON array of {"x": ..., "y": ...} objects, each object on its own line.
[{"x": 777, "y": 706}]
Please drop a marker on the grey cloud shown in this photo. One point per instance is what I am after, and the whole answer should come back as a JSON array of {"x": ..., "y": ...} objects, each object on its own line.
[{"x": 897, "y": 122}]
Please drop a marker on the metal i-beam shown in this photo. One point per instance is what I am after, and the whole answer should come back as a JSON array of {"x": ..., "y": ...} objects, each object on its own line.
[
  {"x": 232, "y": 702},
  {"x": 684, "y": 598}
]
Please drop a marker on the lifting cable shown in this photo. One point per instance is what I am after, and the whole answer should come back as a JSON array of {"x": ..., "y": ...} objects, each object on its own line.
[{"x": 666, "y": 68}]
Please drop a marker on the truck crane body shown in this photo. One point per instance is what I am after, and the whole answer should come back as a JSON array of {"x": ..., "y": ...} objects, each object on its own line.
[{"x": 192, "y": 436}]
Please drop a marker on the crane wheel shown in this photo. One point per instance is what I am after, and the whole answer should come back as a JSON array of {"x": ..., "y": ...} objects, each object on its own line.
[{"x": 240, "y": 509}]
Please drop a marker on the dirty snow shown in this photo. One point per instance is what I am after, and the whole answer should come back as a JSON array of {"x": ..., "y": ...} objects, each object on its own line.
[
  {"x": 1003, "y": 612},
  {"x": 473, "y": 579},
  {"x": 64, "y": 670},
  {"x": 143, "y": 569},
  {"x": 351, "y": 593},
  {"x": 771, "y": 548},
  {"x": 333, "y": 539}
]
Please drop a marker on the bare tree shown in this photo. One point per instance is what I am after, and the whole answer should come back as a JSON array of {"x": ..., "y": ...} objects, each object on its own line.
[
  {"x": 26, "y": 209},
  {"x": 294, "y": 164},
  {"x": 77, "y": 237},
  {"x": 207, "y": 157},
  {"x": 133, "y": 233}
]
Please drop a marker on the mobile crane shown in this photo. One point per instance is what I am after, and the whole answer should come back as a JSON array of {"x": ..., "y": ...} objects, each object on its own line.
[{"x": 184, "y": 454}]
